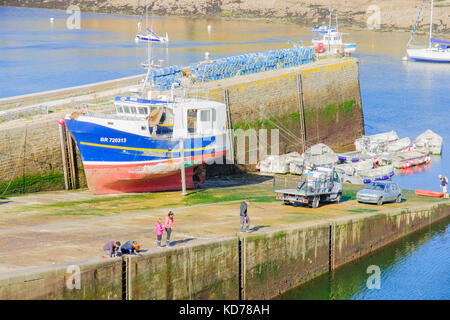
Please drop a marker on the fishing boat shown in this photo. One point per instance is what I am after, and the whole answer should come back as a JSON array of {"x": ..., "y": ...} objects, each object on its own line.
[
  {"x": 437, "y": 50},
  {"x": 331, "y": 40},
  {"x": 144, "y": 145},
  {"x": 322, "y": 29}
]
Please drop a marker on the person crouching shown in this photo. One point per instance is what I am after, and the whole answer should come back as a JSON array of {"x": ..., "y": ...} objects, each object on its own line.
[
  {"x": 111, "y": 248},
  {"x": 130, "y": 247}
]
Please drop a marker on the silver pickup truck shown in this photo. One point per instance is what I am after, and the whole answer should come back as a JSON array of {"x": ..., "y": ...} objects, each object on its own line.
[{"x": 315, "y": 186}]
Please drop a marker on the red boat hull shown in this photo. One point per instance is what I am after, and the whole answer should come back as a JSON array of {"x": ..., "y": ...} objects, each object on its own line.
[
  {"x": 429, "y": 193},
  {"x": 144, "y": 177}
]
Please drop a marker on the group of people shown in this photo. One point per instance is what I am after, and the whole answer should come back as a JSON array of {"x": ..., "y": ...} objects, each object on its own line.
[
  {"x": 160, "y": 228},
  {"x": 115, "y": 249}
]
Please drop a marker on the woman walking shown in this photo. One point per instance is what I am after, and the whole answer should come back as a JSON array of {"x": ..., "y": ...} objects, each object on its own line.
[{"x": 168, "y": 227}]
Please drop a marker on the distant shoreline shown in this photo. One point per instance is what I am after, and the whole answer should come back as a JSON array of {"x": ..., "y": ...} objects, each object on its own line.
[{"x": 398, "y": 17}]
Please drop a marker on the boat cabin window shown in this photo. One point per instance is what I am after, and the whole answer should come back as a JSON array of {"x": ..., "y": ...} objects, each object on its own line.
[
  {"x": 126, "y": 109},
  {"x": 143, "y": 110},
  {"x": 192, "y": 120},
  {"x": 119, "y": 108},
  {"x": 205, "y": 115},
  {"x": 133, "y": 110}
]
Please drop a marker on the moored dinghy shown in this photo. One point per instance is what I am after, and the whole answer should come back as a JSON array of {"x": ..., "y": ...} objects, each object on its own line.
[
  {"x": 429, "y": 142},
  {"x": 429, "y": 193}
]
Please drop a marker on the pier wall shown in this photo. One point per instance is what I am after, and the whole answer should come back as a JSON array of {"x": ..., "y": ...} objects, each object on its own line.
[
  {"x": 319, "y": 102},
  {"x": 99, "y": 279},
  {"x": 205, "y": 271},
  {"x": 353, "y": 238},
  {"x": 30, "y": 157},
  {"x": 275, "y": 262},
  {"x": 259, "y": 266}
]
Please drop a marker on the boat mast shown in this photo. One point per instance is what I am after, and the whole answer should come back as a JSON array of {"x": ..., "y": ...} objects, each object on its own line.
[
  {"x": 149, "y": 65},
  {"x": 431, "y": 20},
  {"x": 331, "y": 10}
]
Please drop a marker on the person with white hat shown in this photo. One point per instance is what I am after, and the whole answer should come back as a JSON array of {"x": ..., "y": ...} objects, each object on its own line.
[{"x": 444, "y": 184}]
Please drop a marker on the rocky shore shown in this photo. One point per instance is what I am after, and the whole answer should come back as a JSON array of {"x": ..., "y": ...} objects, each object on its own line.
[{"x": 353, "y": 14}]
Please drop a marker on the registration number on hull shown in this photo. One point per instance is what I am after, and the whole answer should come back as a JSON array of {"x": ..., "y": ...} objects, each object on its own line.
[{"x": 113, "y": 140}]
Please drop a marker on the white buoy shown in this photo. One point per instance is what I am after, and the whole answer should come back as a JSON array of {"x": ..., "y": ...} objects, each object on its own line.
[
  {"x": 52, "y": 20},
  {"x": 405, "y": 58}
]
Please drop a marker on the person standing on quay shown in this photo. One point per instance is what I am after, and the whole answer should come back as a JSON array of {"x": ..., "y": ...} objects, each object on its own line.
[
  {"x": 159, "y": 232},
  {"x": 168, "y": 227},
  {"x": 444, "y": 184},
  {"x": 244, "y": 216}
]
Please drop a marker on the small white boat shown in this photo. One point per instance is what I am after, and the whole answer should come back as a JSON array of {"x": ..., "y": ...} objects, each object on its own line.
[
  {"x": 437, "y": 50},
  {"x": 429, "y": 142}
]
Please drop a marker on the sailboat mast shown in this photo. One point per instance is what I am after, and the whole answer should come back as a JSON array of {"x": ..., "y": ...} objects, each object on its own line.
[
  {"x": 431, "y": 20},
  {"x": 144, "y": 85}
]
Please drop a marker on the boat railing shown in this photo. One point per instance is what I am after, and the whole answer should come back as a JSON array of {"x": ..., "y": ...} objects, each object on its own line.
[{"x": 101, "y": 115}]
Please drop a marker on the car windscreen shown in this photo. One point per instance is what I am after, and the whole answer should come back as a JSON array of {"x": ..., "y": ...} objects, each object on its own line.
[{"x": 375, "y": 186}]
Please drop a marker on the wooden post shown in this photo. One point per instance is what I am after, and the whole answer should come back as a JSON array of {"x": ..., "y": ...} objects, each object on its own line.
[
  {"x": 301, "y": 107},
  {"x": 230, "y": 128},
  {"x": 183, "y": 171},
  {"x": 71, "y": 164},
  {"x": 62, "y": 133}
]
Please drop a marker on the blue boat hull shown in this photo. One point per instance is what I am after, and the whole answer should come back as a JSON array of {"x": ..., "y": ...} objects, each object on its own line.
[{"x": 119, "y": 162}]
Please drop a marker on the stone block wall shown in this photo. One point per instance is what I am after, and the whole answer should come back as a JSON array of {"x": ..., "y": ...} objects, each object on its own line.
[{"x": 99, "y": 279}]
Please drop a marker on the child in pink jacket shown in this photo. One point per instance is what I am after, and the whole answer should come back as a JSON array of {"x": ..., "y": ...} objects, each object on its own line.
[{"x": 159, "y": 232}]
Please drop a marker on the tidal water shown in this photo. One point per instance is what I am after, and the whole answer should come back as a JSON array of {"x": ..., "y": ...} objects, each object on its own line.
[
  {"x": 408, "y": 97},
  {"x": 413, "y": 268}
]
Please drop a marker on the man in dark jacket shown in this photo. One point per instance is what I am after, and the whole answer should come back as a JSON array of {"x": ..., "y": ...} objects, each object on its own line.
[
  {"x": 111, "y": 248},
  {"x": 243, "y": 215},
  {"x": 130, "y": 247}
]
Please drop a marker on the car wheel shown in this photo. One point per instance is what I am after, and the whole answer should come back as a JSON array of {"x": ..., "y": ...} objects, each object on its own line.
[
  {"x": 399, "y": 198},
  {"x": 315, "y": 203},
  {"x": 380, "y": 201}
]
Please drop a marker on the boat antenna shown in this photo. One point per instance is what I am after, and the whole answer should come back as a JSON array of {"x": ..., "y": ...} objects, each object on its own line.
[
  {"x": 149, "y": 62},
  {"x": 431, "y": 20},
  {"x": 337, "y": 26}
]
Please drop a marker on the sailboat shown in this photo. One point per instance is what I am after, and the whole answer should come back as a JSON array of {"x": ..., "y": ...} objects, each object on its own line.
[
  {"x": 437, "y": 50},
  {"x": 149, "y": 35}
]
